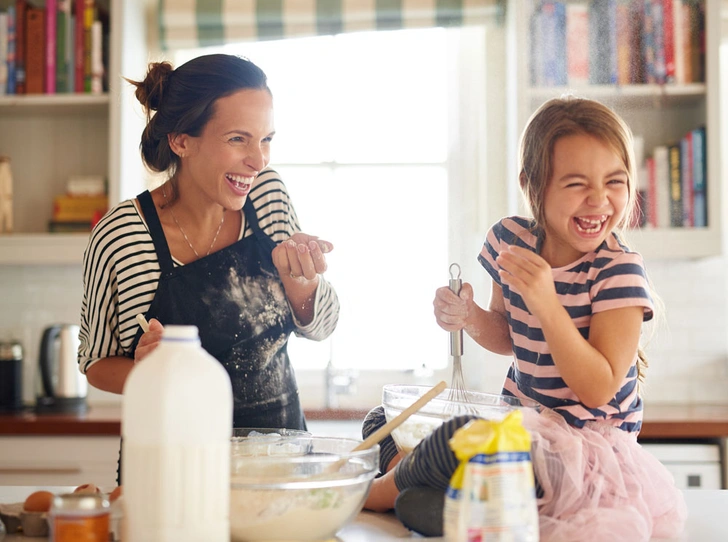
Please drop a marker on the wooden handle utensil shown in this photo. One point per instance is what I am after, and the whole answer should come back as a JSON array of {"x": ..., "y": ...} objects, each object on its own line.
[{"x": 390, "y": 426}]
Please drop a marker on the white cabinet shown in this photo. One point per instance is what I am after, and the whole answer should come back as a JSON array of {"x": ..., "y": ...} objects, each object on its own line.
[
  {"x": 660, "y": 113},
  {"x": 58, "y": 461},
  {"x": 694, "y": 466},
  {"x": 50, "y": 137}
]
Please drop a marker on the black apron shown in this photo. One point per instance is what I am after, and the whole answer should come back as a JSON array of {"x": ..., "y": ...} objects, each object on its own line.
[{"x": 236, "y": 299}]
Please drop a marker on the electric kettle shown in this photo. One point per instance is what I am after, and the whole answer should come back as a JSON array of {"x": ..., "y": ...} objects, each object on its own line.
[{"x": 61, "y": 386}]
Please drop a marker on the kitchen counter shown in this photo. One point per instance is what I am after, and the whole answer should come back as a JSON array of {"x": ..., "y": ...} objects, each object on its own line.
[
  {"x": 707, "y": 520},
  {"x": 106, "y": 420},
  {"x": 660, "y": 421}
]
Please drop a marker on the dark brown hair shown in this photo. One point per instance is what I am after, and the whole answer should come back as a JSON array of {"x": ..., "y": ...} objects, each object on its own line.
[{"x": 182, "y": 100}]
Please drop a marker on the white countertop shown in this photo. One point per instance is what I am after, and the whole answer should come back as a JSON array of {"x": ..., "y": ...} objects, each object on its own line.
[{"x": 707, "y": 518}]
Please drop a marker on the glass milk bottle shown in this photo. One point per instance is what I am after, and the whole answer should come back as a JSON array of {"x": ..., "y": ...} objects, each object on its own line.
[{"x": 176, "y": 428}]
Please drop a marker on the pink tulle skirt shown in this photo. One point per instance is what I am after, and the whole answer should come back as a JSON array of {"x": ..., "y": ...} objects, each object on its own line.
[{"x": 599, "y": 484}]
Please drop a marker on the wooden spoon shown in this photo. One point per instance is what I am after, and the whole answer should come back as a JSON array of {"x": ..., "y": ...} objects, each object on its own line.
[{"x": 390, "y": 426}]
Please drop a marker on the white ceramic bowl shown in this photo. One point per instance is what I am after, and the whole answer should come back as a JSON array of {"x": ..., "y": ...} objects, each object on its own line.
[
  {"x": 396, "y": 398},
  {"x": 296, "y": 487}
]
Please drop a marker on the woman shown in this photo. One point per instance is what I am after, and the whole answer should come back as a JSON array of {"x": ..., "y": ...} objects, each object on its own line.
[{"x": 217, "y": 245}]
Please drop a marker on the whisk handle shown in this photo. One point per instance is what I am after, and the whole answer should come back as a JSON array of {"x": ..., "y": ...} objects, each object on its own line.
[{"x": 456, "y": 337}]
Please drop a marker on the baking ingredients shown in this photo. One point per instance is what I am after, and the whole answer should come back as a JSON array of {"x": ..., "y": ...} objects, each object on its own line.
[
  {"x": 87, "y": 488},
  {"x": 115, "y": 494},
  {"x": 298, "y": 514},
  {"x": 395, "y": 398},
  {"x": 80, "y": 517},
  {"x": 298, "y": 488},
  {"x": 39, "y": 501},
  {"x": 491, "y": 495},
  {"x": 176, "y": 424}
]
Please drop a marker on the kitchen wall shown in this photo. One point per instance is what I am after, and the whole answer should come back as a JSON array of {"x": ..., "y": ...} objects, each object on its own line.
[{"x": 688, "y": 353}]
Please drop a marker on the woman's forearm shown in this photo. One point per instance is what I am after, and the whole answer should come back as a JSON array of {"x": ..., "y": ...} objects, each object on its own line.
[{"x": 110, "y": 374}]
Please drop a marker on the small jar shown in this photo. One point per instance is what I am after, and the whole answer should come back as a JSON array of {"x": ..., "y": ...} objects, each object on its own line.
[{"x": 80, "y": 517}]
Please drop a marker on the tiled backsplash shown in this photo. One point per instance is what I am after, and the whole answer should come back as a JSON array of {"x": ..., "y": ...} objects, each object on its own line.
[{"x": 688, "y": 354}]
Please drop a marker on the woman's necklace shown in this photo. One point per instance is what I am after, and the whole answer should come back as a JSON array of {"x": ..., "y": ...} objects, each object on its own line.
[{"x": 222, "y": 221}]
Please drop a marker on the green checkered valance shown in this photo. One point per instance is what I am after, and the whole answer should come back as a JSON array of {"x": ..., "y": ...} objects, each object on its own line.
[{"x": 186, "y": 24}]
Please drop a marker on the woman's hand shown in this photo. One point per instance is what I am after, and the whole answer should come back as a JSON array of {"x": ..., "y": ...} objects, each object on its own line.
[
  {"x": 149, "y": 340},
  {"x": 301, "y": 257},
  {"x": 452, "y": 312}
]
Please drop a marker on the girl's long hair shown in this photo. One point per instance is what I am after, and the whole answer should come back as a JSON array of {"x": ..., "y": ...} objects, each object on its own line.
[{"x": 566, "y": 116}]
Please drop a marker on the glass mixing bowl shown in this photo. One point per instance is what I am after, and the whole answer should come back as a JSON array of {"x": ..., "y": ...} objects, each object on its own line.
[
  {"x": 396, "y": 398},
  {"x": 296, "y": 486}
]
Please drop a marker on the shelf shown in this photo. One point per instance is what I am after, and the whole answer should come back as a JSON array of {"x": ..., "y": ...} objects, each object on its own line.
[
  {"x": 675, "y": 243},
  {"x": 630, "y": 95},
  {"x": 42, "y": 248},
  {"x": 52, "y": 104}
]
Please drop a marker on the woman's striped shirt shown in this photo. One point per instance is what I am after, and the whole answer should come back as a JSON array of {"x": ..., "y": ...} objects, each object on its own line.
[
  {"x": 121, "y": 273},
  {"x": 611, "y": 277}
]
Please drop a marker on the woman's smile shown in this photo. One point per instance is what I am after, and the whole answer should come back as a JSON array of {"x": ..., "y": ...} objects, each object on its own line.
[{"x": 240, "y": 184}]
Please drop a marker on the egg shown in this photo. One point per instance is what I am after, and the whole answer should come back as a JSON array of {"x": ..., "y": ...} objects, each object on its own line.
[
  {"x": 115, "y": 494},
  {"x": 39, "y": 501},
  {"x": 87, "y": 488}
]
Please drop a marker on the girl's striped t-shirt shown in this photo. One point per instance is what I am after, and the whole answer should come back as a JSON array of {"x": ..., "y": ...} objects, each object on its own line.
[
  {"x": 121, "y": 273},
  {"x": 611, "y": 277}
]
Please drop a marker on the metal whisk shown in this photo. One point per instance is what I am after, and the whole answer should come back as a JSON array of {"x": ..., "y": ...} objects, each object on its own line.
[{"x": 457, "y": 384}]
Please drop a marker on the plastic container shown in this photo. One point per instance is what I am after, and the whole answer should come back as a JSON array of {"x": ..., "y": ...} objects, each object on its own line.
[
  {"x": 77, "y": 517},
  {"x": 176, "y": 426}
]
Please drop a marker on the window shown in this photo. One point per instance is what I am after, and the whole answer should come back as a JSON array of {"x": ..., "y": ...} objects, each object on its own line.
[{"x": 364, "y": 141}]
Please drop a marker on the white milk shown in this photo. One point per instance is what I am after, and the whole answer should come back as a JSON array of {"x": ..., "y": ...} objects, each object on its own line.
[{"x": 176, "y": 425}]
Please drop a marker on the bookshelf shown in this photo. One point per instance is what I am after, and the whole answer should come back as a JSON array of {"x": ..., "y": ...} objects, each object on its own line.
[
  {"x": 50, "y": 137},
  {"x": 660, "y": 113}
]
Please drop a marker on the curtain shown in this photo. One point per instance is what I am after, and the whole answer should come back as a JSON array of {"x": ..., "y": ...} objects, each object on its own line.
[{"x": 185, "y": 24}]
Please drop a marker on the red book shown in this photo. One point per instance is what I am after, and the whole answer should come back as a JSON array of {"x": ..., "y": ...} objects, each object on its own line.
[
  {"x": 651, "y": 210},
  {"x": 686, "y": 176},
  {"x": 78, "y": 45},
  {"x": 34, "y": 50},
  {"x": 20, "y": 8},
  {"x": 51, "y": 18},
  {"x": 668, "y": 25}
]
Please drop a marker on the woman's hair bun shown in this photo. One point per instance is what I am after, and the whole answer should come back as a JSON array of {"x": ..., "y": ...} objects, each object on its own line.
[{"x": 149, "y": 92}]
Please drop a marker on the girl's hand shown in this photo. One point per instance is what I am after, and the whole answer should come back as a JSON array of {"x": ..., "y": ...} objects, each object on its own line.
[
  {"x": 452, "y": 311},
  {"x": 529, "y": 275},
  {"x": 301, "y": 257},
  {"x": 149, "y": 340}
]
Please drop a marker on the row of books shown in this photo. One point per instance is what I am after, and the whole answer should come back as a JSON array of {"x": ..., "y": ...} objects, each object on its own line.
[
  {"x": 673, "y": 187},
  {"x": 56, "y": 46},
  {"x": 617, "y": 42}
]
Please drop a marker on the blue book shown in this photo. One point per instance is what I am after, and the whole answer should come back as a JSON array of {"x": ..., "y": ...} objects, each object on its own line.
[
  {"x": 603, "y": 42},
  {"x": 658, "y": 43},
  {"x": 700, "y": 202},
  {"x": 11, "y": 50}
]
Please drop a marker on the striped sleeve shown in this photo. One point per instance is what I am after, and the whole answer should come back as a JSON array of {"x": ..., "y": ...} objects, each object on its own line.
[
  {"x": 277, "y": 218},
  {"x": 120, "y": 276},
  {"x": 621, "y": 282},
  {"x": 514, "y": 230}
]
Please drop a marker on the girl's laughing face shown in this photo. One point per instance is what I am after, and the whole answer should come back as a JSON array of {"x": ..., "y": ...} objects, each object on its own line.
[{"x": 585, "y": 198}]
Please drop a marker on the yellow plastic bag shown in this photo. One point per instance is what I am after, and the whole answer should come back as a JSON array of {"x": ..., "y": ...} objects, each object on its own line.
[{"x": 491, "y": 497}]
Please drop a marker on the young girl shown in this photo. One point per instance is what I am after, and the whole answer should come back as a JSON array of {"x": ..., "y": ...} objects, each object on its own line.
[{"x": 568, "y": 300}]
